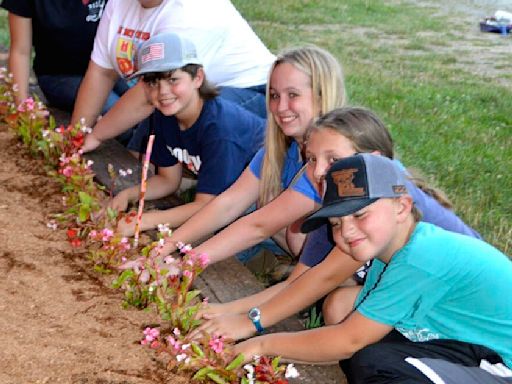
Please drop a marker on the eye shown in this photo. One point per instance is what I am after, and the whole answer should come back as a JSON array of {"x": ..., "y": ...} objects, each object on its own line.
[
  {"x": 273, "y": 96},
  {"x": 360, "y": 214},
  {"x": 310, "y": 159},
  {"x": 333, "y": 159},
  {"x": 172, "y": 80},
  {"x": 293, "y": 95}
]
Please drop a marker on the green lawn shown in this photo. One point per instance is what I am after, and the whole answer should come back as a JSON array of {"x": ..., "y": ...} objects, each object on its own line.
[{"x": 453, "y": 125}]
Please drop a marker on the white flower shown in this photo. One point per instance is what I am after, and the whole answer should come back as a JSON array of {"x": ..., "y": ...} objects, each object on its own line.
[
  {"x": 129, "y": 171},
  {"x": 52, "y": 225},
  {"x": 122, "y": 173},
  {"x": 185, "y": 346},
  {"x": 181, "y": 357},
  {"x": 291, "y": 372},
  {"x": 89, "y": 163},
  {"x": 249, "y": 368}
]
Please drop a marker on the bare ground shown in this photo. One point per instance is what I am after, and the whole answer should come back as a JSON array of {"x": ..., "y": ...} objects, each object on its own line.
[{"x": 60, "y": 322}]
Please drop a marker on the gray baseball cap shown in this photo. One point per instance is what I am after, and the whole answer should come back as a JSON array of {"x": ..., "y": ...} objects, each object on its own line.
[
  {"x": 353, "y": 183},
  {"x": 165, "y": 52}
]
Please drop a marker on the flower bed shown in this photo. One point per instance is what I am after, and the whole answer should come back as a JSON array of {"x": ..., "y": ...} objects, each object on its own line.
[{"x": 147, "y": 279}]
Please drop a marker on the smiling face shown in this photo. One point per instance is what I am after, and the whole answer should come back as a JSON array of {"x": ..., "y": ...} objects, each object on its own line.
[
  {"x": 291, "y": 100},
  {"x": 176, "y": 93},
  {"x": 324, "y": 147}
]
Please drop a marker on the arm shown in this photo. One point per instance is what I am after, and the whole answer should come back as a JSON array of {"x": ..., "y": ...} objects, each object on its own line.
[
  {"x": 334, "y": 342},
  {"x": 290, "y": 297},
  {"x": 174, "y": 216},
  {"x": 20, "y": 29},
  {"x": 222, "y": 210},
  {"x": 166, "y": 182},
  {"x": 128, "y": 111},
  {"x": 93, "y": 93},
  {"x": 249, "y": 230}
]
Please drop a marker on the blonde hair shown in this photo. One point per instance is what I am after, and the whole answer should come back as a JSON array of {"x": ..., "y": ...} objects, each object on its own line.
[{"x": 328, "y": 89}]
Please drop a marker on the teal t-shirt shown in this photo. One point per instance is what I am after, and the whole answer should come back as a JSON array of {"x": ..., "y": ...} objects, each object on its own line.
[{"x": 443, "y": 285}]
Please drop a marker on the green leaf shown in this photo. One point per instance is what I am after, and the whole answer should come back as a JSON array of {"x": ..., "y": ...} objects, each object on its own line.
[
  {"x": 197, "y": 350},
  {"x": 84, "y": 198},
  {"x": 275, "y": 362},
  {"x": 202, "y": 373},
  {"x": 236, "y": 362},
  {"x": 83, "y": 213},
  {"x": 191, "y": 295},
  {"x": 216, "y": 378},
  {"x": 117, "y": 283}
]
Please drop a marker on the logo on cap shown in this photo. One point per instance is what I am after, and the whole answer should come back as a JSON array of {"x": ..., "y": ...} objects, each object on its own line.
[
  {"x": 343, "y": 179},
  {"x": 153, "y": 52}
]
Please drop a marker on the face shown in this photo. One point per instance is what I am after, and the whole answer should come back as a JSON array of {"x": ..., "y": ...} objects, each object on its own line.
[
  {"x": 174, "y": 95},
  {"x": 291, "y": 100},
  {"x": 370, "y": 232},
  {"x": 324, "y": 147}
]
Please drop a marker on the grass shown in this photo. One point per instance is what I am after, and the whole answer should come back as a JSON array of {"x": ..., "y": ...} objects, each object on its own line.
[
  {"x": 404, "y": 62},
  {"x": 452, "y": 125}
]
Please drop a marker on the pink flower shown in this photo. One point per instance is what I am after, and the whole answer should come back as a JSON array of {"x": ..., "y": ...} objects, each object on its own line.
[
  {"x": 67, "y": 171},
  {"x": 107, "y": 234},
  {"x": 188, "y": 274},
  {"x": 151, "y": 334},
  {"x": 217, "y": 344},
  {"x": 203, "y": 260}
]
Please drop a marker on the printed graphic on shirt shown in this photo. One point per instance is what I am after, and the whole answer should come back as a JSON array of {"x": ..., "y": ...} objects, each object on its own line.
[
  {"x": 95, "y": 9},
  {"x": 193, "y": 163},
  {"x": 418, "y": 334},
  {"x": 126, "y": 49}
]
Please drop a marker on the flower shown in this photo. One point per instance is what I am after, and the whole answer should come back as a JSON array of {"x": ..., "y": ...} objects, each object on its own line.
[
  {"x": 217, "y": 344},
  {"x": 151, "y": 334},
  {"x": 52, "y": 225},
  {"x": 291, "y": 372}
]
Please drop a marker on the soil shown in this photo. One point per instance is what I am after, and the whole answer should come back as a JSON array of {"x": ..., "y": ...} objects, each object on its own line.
[{"x": 60, "y": 321}]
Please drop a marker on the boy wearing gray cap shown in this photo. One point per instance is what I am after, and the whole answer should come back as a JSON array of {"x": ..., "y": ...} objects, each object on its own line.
[
  {"x": 212, "y": 137},
  {"x": 432, "y": 298}
]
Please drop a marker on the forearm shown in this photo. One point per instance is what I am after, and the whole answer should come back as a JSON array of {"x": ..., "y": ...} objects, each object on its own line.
[
  {"x": 245, "y": 303},
  {"x": 174, "y": 216},
  {"x": 316, "y": 345},
  {"x": 156, "y": 187},
  {"x": 127, "y": 112},
  {"x": 19, "y": 66},
  {"x": 93, "y": 93},
  {"x": 307, "y": 288},
  {"x": 251, "y": 229}
]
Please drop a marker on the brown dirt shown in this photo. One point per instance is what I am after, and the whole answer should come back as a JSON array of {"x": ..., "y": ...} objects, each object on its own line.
[{"x": 60, "y": 321}]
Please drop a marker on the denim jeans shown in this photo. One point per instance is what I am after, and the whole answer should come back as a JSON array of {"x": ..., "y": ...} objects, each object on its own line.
[
  {"x": 60, "y": 91},
  {"x": 252, "y": 99}
]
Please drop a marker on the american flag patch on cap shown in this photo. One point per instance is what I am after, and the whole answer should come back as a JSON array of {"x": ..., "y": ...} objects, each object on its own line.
[{"x": 153, "y": 52}]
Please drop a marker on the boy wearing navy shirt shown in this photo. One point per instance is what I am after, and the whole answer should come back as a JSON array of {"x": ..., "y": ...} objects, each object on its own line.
[{"x": 212, "y": 137}]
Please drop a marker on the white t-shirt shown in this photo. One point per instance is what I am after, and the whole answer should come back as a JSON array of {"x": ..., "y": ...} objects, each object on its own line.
[{"x": 232, "y": 54}]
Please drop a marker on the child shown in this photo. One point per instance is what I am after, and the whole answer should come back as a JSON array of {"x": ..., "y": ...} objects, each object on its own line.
[
  {"x": 303, "y": 83},
  {"x": 337, "y": 134},
  {"x": 212, "y": 137},
  {"x": 448, "y": 294}
]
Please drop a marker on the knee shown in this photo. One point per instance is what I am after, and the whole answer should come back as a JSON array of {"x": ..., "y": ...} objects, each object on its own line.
[{"x": 335, "y": 307}]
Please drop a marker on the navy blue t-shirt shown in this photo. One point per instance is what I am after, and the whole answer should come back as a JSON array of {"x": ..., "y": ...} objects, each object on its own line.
[
  {"x": 217, "y": 147},
  {"x": 62, "y": 32}
]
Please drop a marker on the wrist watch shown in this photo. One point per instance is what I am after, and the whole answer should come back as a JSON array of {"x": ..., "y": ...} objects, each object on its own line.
[{"x": 255, "y": 316}]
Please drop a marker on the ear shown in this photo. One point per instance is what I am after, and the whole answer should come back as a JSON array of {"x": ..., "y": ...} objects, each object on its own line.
[
  {"x": 199, "y": 78},
  {"x": 376, "y": 152},
  {"x": 404, "y": 206}
]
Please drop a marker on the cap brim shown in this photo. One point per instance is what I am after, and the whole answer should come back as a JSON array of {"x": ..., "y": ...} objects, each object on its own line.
[{"x": 334, "y": 210}]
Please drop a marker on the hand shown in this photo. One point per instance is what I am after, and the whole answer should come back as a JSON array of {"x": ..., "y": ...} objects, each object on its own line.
[
  {"x": 249, "y": 348},
  {"x": 120, "y": 201},
  {"x": 233, "y": 326},
  {"x": 126, "y": 225},
  {"x": 213, "y": 310},
  {"x": 91, "y": 142},
  {"x": 168, "y": 248}
]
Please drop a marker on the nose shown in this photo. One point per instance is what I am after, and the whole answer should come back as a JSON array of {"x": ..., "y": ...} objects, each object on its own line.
[
  {"x": 163, "y": 86},
  {"x": 282, "y": 104},
  {"x": 320, "y": 170},
  {"x": 347, "y": 226}
]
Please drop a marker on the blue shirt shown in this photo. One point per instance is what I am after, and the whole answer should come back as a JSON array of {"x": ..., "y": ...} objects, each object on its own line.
[
  {"x": 292, "y": 164},
  {"x": 443, "y": 285},
  {"x": 217, "y": 147}
]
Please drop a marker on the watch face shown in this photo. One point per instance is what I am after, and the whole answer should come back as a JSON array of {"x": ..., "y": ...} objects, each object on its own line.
[{"x": 254, "y": 314}]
